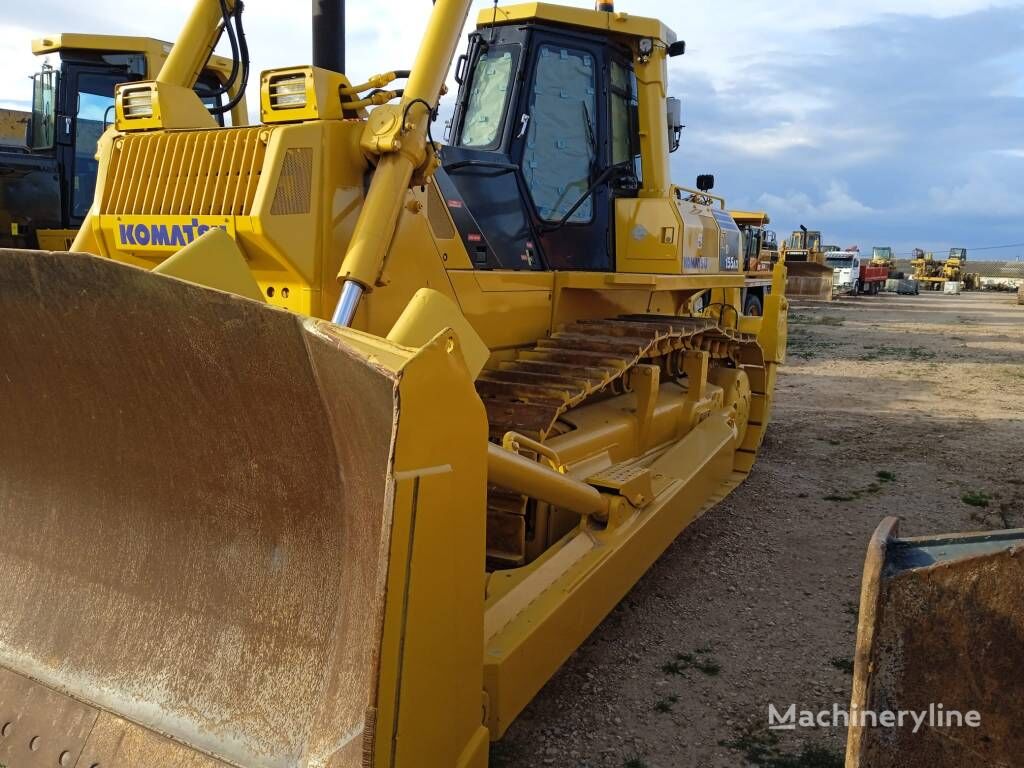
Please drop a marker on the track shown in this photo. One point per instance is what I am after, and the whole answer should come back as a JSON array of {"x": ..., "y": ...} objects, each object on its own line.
[{"x": 590, "y": 358}]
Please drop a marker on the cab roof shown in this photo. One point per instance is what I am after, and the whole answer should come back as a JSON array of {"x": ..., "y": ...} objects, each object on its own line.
[
  {"x": 616, "y": 22},
  {"x": 155, "y": 51},
  {"x": 751, "y": 218}
]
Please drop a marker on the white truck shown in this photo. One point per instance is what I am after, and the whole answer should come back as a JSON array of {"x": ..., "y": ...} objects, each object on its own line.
[
  {"x": 854, "y": 273},
  {"x": 845, "y": 270}
]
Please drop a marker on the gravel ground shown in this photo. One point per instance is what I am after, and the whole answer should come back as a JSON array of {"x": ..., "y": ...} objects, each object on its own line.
[{"x": 888, "y": 405}]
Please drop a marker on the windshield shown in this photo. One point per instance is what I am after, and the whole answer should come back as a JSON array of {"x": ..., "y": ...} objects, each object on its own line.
[
  {"x": 839, "y": 261},
  {"x": 752, "y": 241},
  {"x": 488, "y": 95}
]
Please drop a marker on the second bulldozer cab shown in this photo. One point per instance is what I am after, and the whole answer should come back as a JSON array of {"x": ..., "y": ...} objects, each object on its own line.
[
  {"x": 49, "y": 173},
  {"x": 803, "y": 244},
  {"x": 760, "y": 246},
  {"x": 551, "y": 129},
  {"x": 881, "y": 255}
]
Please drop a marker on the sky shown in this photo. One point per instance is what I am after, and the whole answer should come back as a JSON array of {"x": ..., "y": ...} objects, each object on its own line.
[{"x": 894, "y": 123}]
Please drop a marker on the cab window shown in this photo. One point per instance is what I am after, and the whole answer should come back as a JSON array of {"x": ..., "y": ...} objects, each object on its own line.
[
  {"x": 488, "y": 96},
  {"x": 561, "y": 144},
  {"x": 94, "y": 112},
  {"x": 44, "y": 109},
  {"x": 625, "y": 136},
  {"x": 207, "y": 87}
]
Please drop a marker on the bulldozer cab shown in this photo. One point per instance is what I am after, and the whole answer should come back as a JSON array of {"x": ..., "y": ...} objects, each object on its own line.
[
  {"x": 806, "y": 241},
  {"x": 49, "y": 181},
  {"x": 546, "y": 121},
  {"x": 73, "y": 105},
  {"x": 881, "y": 254},
  {"x": 760, "y": 245}
]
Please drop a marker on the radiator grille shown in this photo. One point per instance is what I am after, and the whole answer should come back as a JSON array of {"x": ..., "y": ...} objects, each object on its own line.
[
  {"x": 198, "y": 173},
  {"x": 294, "y": 184}
]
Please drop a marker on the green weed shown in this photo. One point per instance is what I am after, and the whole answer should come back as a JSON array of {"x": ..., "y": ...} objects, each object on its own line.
[
  {"x": 762, "y": 749},
  {"x": 700, "y": 659},
  {"x": 976, "y": 498},
  {"x": 897, "y": 353},
  {"x": 665, "y": 705},
  {"x": 842, "y": 664}
]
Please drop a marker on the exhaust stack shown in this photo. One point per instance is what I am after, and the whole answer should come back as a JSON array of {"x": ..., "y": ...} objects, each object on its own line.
[{"x": 329, "y": 35}]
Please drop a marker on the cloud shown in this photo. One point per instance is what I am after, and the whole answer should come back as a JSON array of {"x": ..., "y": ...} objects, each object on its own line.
[
  {"x": 766, "y": 142},
  {"x": 884, "y": 120},
  {"x": 890, "y": 128},
  {"x": 834, "y": 203},
  {"x": 985, "y": 193}
]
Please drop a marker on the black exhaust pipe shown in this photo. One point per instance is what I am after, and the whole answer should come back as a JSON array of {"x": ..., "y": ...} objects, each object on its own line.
[{"x": 329, "y": 35}]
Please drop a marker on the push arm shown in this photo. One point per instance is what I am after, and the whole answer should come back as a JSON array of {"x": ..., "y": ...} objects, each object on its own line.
[
  {"x": 195, "y": 43},
  {"x": 402, "y": 144}
]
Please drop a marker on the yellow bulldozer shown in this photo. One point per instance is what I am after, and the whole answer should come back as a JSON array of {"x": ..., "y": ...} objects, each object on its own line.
[
  {"x": 760, "y": 247},
  {"x": 933, "y": 275},
  {"x": 48, "y": 155},
  {"x": 808, "y": 275},
  {"x": 760, "y": 255},
  {"x": 327, "y": 445}
]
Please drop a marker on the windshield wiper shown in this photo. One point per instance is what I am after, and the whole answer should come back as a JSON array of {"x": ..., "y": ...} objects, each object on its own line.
[{"x": 591, "y": 138}]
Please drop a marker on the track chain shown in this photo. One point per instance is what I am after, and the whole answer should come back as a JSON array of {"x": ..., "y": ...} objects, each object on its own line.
[{"x": 584, "y": 359}]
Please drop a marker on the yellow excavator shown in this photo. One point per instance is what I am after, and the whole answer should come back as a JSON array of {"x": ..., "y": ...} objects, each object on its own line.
[{"x": 326, "y": 445}]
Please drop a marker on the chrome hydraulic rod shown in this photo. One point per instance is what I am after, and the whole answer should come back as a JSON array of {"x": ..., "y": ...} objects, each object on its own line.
[{"x": 378, "y": 219}]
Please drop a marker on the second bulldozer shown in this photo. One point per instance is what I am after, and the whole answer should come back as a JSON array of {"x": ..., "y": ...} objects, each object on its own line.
[
  {"x": 327, "y": 446},
  {"x": 48, "y": 155},
  {"x": 808, "y": 274}
]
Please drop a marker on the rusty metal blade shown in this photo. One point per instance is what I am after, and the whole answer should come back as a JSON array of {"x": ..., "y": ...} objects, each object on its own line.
[
  {"x": 194, "y": 506},
  {"x": 941, "y": 628}
]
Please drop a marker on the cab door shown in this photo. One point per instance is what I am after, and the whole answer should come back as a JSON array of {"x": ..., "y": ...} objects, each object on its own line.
[
  {"x": 559, "y": 145},
  {"x": 88, "y": 110}
]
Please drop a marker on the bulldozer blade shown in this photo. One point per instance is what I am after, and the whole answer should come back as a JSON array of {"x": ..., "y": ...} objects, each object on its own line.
[
  {"x": 941, "y": 631},
  {"x": 809, "y": 280},
  {"x": 197, "y": 494}
]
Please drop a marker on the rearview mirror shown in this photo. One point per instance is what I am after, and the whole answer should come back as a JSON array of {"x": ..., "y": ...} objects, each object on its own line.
[{"x": 674, "y": 110}]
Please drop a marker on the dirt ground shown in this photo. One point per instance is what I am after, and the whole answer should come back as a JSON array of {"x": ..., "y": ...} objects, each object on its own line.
[{"x": 888, "y": 405}]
